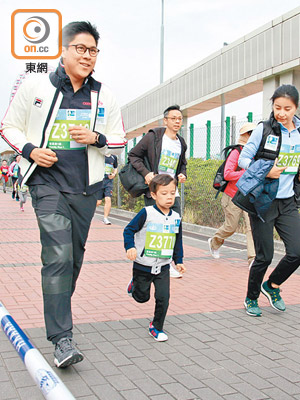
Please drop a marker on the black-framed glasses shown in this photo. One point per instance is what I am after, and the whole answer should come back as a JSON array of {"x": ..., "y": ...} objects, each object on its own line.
[
  {"x": 174, "y": 119},
  {"x": 81, "y": 49}
]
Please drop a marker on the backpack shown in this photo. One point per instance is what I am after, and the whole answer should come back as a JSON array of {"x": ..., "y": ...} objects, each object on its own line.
[
  {"x": 220, "y": 182},
  {"x": 132, "y": 181}
]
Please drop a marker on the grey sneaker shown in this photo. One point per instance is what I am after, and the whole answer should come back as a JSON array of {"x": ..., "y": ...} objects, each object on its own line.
[
  {"x": 66, "y": 353},
  {"x": 273, "y": 295},
  {"x": 106, "y": 221}
]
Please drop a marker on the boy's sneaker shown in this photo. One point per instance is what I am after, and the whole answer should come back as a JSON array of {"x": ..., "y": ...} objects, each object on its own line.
[
  {"x": 273, "y": 296},
  {"x": 130, "y": 288},
  {"x": 66, "y": 353},
  {"x": 13, "y": 195},
  {"x": 17, "y": 199},
  {"x": 174, "y": 273},
  {"x": 214, "y": 253},
  {"x": 106, "y": 221},
  {"x": 159, "y": 336},
  {"x": 252, "y": 307}
]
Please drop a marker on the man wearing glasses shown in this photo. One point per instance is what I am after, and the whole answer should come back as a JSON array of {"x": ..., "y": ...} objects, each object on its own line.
[
  {"x": 165, "y": 150},
  {"x": 63, "y": 124}
]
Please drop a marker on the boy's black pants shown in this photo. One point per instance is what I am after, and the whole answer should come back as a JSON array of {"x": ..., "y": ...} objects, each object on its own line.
[{"x": 141, "y": 292}]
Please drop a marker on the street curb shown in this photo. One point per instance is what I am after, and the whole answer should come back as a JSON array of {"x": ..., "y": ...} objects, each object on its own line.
[{"x": 200, "y": 229}]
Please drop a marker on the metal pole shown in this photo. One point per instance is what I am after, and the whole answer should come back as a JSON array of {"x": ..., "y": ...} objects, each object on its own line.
[
  {"x": 233, "y": 129},
  {"x": 183, "y": 133},
  {"x": 227, "y": 131},
  {"x": 191, "y": 140},
  {"x": 119, "y": 202},
  {"x": 46, "y": 379},
  {"x": 162, "y": 36},
  {"x": 222, "y": 122},
  {"x": 208, "y": 137}
]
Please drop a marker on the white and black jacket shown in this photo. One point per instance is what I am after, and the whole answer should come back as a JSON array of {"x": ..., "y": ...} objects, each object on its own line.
[{"x": 32, "y": 112}]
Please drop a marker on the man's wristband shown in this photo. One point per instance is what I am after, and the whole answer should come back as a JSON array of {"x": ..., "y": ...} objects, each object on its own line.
[{"x": 100, "y": 139}]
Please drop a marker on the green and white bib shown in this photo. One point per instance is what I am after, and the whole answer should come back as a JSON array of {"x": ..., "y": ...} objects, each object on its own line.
[
  {"x": 289, "y": 157},
  {"x": 109, "y": 169},
  {"x": 169, "y": 156},
  {"x": 160, "y": 240},
  {"x": 60, "y": 137}
]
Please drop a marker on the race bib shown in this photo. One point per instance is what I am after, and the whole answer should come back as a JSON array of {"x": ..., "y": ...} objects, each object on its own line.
[
  {"x": 101, "y": 115},
  {"x": 109, "y": 169},
  {"x": 59, "y": 136},
  {"x": 289, "y": 157},
  {"x": 271, "y": 143},
  {"x": 168, "y": 162},
  {"x": 160, "y": 240}
]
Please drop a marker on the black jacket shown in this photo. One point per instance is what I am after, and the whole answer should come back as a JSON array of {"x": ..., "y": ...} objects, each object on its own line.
[{"x": 150, "y": 147}]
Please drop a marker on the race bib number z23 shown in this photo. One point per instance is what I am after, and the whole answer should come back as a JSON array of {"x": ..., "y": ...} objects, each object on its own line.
[{"x": 60, "y": 137}]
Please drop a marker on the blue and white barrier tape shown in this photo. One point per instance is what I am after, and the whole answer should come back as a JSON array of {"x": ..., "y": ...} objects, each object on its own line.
[{"x": 49, "y": 383}]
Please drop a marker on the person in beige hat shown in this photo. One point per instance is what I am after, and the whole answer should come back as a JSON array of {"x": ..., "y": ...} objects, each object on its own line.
[{"x": 232, "y": 173}]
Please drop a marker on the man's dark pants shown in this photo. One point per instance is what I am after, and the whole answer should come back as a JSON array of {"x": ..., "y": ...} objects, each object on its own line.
[{"x": 64, "y": 220}]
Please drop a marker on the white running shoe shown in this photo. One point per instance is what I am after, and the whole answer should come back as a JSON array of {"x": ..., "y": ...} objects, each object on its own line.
[
  {"x": 214, "y": 253},
  {"x": 106, "y": 221},
  {"x": 174, "y": 273}
]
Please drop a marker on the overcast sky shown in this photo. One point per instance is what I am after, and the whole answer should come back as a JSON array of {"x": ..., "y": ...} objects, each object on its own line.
[{"x": 130, "y": 37}]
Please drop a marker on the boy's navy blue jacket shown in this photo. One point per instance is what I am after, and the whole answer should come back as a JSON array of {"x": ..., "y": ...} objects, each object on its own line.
[{"x": 137, "y": 224}]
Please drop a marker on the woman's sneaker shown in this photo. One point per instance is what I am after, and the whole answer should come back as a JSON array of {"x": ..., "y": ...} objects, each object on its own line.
[
  {"x": 273, "y": 295},
  {"x": 66, "y": 353},
  {"x": 252, "y": 307},
  {"x": 213, "y": 252},
  {"x": 159, "y": 336}
]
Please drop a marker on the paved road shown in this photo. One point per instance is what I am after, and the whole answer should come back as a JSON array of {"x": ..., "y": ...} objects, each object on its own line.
[{"x": 215, "y": 351}]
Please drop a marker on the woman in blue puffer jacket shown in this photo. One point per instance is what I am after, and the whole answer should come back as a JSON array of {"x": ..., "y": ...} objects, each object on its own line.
[{"x": 282, "y": 143}]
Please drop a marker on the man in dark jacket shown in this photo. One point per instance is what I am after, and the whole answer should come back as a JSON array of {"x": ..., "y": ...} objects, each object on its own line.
[{"x": 165, "y": 151}]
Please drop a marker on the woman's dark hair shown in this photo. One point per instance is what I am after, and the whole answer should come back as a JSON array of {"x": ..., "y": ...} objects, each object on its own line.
[
  {"x": 161, "y": 180},
  {"x": 74, "y": 28},
  {"x": 288, "y": 91}
]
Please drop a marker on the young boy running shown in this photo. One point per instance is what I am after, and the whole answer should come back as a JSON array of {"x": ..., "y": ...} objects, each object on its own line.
[{"x": 152, "y": 240}]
